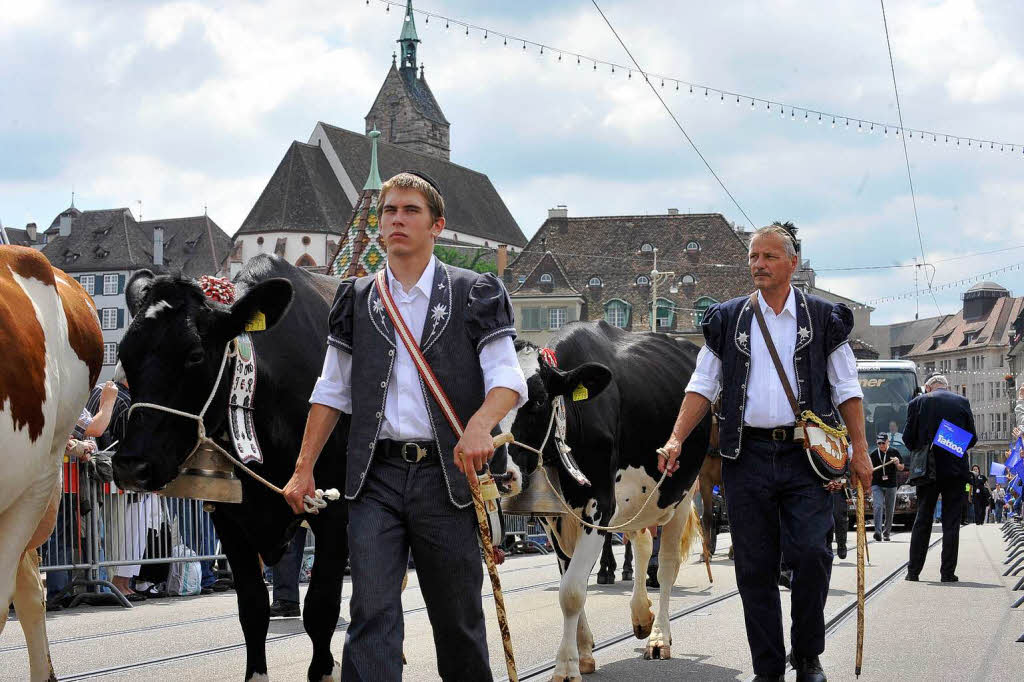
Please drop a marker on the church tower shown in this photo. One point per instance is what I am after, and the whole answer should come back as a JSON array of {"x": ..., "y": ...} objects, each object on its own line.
[{"x": 405, "y": 111}]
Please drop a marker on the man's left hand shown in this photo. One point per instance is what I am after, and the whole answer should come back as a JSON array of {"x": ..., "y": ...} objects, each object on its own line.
[
  {"x": 860, "y": 465},
  {"x": 473, "y": 450}
]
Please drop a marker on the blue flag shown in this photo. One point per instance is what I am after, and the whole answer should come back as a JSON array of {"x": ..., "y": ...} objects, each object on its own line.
[
  {"x": 1015, "y": 462},
  {"x": 997, "y": 470},
  {"x": 1001, "y": 479},
  {"x": 952, "y": 438},
  {"x": 1018, "y": 485}
]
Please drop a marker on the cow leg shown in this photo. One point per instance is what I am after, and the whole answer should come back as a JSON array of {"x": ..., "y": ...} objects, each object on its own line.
[
  {"x": 640, "y": 604},
  {"x": 572, "y": 596},
  {"x": 30, "y": 603},
  {"x": 323, "y": 598},
  {"x": 251, "y": 593},
  {"x": 606, "y": 576},
  {"x": 677, "y": 537},
  {"x": 585, "y": 645}
]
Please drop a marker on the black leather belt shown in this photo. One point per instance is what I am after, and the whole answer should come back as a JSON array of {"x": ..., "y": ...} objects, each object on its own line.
[
  {"x": 783, "y": 433},
  {"x": 411, "y": 452}
]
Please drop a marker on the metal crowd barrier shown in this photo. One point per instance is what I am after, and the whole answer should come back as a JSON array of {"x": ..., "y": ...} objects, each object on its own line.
[{"x": 520, "y": 534}]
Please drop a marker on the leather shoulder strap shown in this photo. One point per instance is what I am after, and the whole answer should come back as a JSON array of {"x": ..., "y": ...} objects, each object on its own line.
[{"x": 755, "y": 303}]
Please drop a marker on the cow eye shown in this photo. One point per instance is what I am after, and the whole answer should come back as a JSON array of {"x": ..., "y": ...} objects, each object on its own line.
[{"x": 196, "y": 356}]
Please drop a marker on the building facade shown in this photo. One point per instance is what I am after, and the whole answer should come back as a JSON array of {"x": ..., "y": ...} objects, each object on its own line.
[
  {"x": 103, "y": 249},
  {"x": 599, "y": 268},
  {"x": 970, "y": 348}
]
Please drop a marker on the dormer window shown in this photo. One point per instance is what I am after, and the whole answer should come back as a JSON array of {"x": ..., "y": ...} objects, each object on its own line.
[
  {"x": 594, "y": 282},
  {"x": 545, "y": 278},
  {"x": 646, "y": 247},
  {"x": 688, "y": 280},
  {"x": 643, "y": 281},
  {"x": 692, "y": 247}
]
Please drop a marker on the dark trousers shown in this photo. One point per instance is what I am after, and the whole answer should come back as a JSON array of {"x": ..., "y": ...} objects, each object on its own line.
[
  {"x": 840, "y": 520},
  {"x": 286, "y": 570},
  {"x": 980, "y": 509},
  {"x": 401, "y": 508},
  {"x": 952, "y": 501},
  {"x": 777, "y": 506}
]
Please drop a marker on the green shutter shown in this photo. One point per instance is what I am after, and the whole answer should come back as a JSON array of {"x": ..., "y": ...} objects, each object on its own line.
[
  {"x": 120, "y": 284},
  {"x": 120, "y": 318},
  {"x": 629, "y": 315}
]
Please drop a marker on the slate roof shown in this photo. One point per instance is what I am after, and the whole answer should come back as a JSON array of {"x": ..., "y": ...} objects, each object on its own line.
[
  {"x": 994, "y": 330},
  {"x": 609, "y": 247},
  {"x": 910, "y": 333},
  {"x": 472, "y": 204},
  {"x": 420, "y": 95},
  {"x": 111, "y": 239},
  {"x": 19, "y": 237},
  {"x": 303, "y": 195}
]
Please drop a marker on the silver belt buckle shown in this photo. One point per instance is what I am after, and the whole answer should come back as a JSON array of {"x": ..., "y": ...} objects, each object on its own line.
[
  {"x": 418, "y": 452},
  {"x": 779, "y": 434}
]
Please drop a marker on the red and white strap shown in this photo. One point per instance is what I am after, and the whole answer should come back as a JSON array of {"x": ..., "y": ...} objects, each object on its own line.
[{"x": 417, "y": 355}]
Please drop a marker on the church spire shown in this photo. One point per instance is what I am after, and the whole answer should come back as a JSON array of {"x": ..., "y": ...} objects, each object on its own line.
[
  {"x": 373, "y": 181},
  {"x": 408, "y": 39}
]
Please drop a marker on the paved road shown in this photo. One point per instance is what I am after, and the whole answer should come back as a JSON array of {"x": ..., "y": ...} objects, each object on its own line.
[{"x": 915, "y": 631}]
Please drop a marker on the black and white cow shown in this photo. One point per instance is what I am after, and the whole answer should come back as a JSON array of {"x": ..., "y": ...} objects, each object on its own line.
[
  {"x": 171, "y": 355},
  {"x": 622, "y": 393}
]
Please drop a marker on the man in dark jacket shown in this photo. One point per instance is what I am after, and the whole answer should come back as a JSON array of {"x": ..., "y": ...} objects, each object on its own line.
[
  {"x": 885, "y": 461},
  {"x": 924, "y": 414}
]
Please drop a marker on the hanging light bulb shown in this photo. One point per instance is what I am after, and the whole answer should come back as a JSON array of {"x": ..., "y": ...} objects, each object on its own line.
[
  {"x": 595, "y": 66},
  {"x": 833, "y": 121},
  {"x": 859, "y": 129},
  {"x": 885, "y": 133},
  {"x": 577, "y": 59},
  {"x": 504, "y": 41},
  {"x": 559, "y": 56},
  {"x": 662, "y": 82},
  {"x": 705, "y": 93},
  {"x": 542, "y": 49},
  {"x": 819, "y": 119},
  {"x": 721, "y": 98},
  {"x": 805, "y": 117},
  {"x": 691, "y": 89},
  {"x": 467, "y": 29},
  {"x": 629, "y": 76},
  {"x": 792, "y": 114},
  {"x": 387, "y": 8},
  {"x": 613, "y": 68},
  {"x": 524, "y": 46},
  {"x": 677, "y": 86},
  {"x": 428, "y": 19},
  {"x": 751, "y": 103},
  {"x": 847, "y": 124},
  {"x": 737, "y": 100},
  {"x": 446, "y": 23}
]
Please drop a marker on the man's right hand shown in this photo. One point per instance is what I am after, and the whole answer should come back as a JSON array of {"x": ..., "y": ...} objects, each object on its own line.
[
  {"x": 299, "y": 486},
  {"x": 671, "y": 451}
]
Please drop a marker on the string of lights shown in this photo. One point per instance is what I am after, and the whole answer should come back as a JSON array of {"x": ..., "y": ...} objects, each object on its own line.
[
  {"x": 947, "y": 285},
  {"x": 708, "y": 92}
]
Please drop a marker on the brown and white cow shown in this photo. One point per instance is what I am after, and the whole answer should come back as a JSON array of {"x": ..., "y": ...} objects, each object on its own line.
[{"x": 52, "y": 351}]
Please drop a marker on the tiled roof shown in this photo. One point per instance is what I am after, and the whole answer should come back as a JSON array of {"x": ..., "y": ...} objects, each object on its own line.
[
  {"x": 112, "y": 239},
  {"x": 560, "y": 285},
  {"x": 303, "y": 195},
  {"x": 472, "y": 204},
  {"x": 993, "y": 330},
  {"x": 421, "y": 96},
  {"x": 19, "y": 237},
  {"x": 609, "y": 248},
  {"x": 910, "y": 333}
]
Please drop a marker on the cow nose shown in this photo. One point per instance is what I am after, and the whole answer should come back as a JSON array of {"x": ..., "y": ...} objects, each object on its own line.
[{"x": 131, "y": 473}]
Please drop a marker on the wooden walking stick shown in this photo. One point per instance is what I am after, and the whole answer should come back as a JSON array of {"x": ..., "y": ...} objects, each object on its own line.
[{"x": 862, "y": 543}]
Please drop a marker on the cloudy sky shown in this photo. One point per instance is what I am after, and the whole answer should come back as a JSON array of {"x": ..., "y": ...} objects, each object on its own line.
[{"x": 186, "y": 104}]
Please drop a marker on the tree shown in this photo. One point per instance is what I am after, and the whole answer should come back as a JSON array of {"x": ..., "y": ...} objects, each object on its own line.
[{"x": 477, "y": 260}]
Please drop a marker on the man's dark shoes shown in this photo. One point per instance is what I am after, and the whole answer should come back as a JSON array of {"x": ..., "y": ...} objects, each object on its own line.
[
  {"x": 912, "y": 577},
  {"x": 808, "y": 668},
  {"x": 877, "y": 536},
  {"x": 652, "y": 581},
  {"x": 949, "y": 579},
  {"x": 841, "y": 551},
  {"x": 282, "y": 608},
  {"x": 887, "y": 538}
]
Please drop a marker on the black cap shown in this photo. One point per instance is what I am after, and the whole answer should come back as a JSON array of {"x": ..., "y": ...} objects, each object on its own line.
[
  {"x": 423, "y": 176},
  {"x": 882, "y": 438}
]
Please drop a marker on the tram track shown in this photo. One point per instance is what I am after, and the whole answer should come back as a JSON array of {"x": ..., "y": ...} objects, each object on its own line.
[
  {"x": 240, "y": 646},
  {"x": 195, "y": 621}
]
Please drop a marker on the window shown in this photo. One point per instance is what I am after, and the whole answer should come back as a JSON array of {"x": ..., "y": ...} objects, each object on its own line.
[
  {"x": 88, "y": 283},
  {"x": 109, "y": 318},
  {"x": 556, "y": 318},
  {"x": 545, "y": 278},
  {"x": 646, "y": 247},
  {"x": 692, "y": 246},
  {"x": 531, "y": 319},
  {"x": 665, "y": 314},
  {"x": 929, "y": 368},
  {"x": 643, "y": 281},
  {"x": 259, "y": 241},
  {"x": 616, "y": 313},
  {"x": 981, "y": 362},
  {"x": 688, "y": 279},
  {"x": 110, "y": 285},
  {"x": 594, "y": 282},
  {"x": 110, "y": 354},
  {"x": 701, "y": 307},
  {"x": 1001, "y": 358},
  {"x": 961, "y": 363}
]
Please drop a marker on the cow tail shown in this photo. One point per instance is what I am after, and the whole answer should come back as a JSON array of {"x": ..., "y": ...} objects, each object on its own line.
[{"x": 691, "y": 531}]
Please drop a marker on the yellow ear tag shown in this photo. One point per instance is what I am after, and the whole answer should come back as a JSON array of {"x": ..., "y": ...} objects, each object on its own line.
[
  {"x": 581, "y": 393},
  {"x": 258, "y": 323}
]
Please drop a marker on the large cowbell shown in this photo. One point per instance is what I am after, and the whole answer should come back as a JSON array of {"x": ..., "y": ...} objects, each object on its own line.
[
  {"x": 538, "y": 498},
  {"x": 208, "y": 475}
]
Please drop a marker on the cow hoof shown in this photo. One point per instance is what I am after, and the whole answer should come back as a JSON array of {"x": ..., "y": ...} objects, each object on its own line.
[
  {"x": 566, "y": 678},
  {"x": 642, "y": 630},
  {"x": 627, "y": 574},
  {"x": 405, "y": 661},
  {"x": 606, "y": 578},
  {"x": 655, "y": 652},
  {"x": 587, "y": 665},
  {"x": 259, "y": 677}
]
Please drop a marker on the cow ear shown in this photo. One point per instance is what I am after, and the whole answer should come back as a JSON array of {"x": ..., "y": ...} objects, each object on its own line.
[
  {"x": 583, "y": 382},
  {"x": 259, "y": 309},
  {"x": 136, "y": 289}
]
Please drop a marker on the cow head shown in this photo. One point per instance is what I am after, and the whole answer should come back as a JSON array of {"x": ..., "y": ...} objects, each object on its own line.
[
  {"x": 171, "y": 355},
  {"x": 529, "y": 424}
]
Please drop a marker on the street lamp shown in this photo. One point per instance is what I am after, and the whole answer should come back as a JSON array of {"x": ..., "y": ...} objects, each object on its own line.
[{"x": 657, "y": 277}]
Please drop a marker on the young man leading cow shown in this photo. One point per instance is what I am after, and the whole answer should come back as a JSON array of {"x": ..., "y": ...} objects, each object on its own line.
[
  {"x": 777, "y": 504},
  {"x": 406, "y": 476}
]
